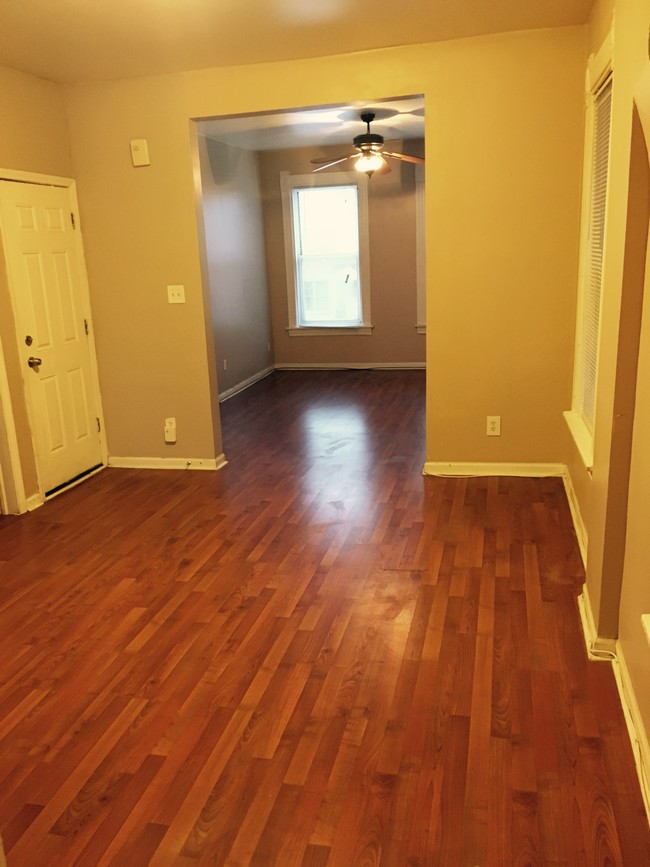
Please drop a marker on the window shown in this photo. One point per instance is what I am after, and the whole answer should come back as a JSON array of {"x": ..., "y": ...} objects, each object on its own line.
[
  {"x": 326, "y": 251},
  {"x": 594, "y": 252},
  {"x": 326, "y": 247},
  {"x": 599, "y": 108}
]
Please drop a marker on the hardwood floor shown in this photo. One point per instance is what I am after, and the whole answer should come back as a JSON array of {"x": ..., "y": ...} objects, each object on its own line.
[{"x": 315, "y": 656}]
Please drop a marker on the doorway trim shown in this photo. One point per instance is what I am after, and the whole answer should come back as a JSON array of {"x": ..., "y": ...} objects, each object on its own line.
[
  {"x": 12, "y": 490},
  {"x": 13, "y": 497}
]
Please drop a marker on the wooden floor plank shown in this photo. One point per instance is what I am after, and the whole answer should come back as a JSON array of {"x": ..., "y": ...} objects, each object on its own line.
[{"x": 315, "y": 657}]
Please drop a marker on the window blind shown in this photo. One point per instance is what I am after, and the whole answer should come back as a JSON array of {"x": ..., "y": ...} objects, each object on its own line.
[{"x": 598, "y": 204}]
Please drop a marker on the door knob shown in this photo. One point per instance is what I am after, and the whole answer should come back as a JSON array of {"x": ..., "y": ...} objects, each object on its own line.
[{"x": 33, "y": 362}]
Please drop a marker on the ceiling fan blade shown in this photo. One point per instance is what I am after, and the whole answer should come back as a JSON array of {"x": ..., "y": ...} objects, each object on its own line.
[
  {"x": 407, "y": 158},
  {"x": 328, "y": 159},
  {"x": 332, "y": 163}
]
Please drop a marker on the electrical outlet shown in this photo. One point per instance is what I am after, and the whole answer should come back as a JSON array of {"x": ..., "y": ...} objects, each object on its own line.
[
  {"x": 176, "y": 294},
  {"x": 493, "y": 426},
  {"x": 170, "y": 430},
  {"x": 225, "y": 364}
]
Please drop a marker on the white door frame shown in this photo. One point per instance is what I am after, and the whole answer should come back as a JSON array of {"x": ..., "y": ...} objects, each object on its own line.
[
  {"x": 13, "y": 499},
  {"x": 12, "y": 491}
]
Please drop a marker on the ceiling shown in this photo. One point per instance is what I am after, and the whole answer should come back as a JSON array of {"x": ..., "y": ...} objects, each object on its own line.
[
  {"x": 401, "y": 118},
  {"x": 85, "y": 40}
]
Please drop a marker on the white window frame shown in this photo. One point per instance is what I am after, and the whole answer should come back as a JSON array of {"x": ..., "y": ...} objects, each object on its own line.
[
  {"x": 420, "y": 251},
  {"x": 288, "y": 183},
  {"x": 599, "y": 73}
]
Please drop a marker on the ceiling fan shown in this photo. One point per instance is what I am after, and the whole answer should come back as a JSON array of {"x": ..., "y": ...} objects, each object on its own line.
[{"x": 370, "y": 156}]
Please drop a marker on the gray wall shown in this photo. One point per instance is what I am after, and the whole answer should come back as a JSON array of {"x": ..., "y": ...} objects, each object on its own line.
[
  {"x": 392, "y": 231},
  {"x": 232, "y": 212}
]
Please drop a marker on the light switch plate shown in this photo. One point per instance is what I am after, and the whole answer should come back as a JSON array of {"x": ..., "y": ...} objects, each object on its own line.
[{"x": 140, "y": 152}]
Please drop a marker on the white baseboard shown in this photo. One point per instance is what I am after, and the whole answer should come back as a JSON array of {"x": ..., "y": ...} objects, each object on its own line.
[
  {"x": 468, "y": 468},
  {"x": 33, "y": 502},
  {"x": 245, "y": 383},
  {"x": 586, "y": 618},
  {"x": 354, "y": 365},
  {"x": 576, "y": 516},
  {"x": 610, "y": 650},
  {"x": 597, "y": 648},
  {"x": 168, "y": 463},
  {"x": 635, "y": 727}
]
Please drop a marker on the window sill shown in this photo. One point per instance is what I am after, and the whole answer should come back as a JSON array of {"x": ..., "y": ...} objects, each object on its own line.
[
  {"x": 320, "y": 331},
  {"x": 645, "y": 622},
  {"x": 582, "y": 437}
]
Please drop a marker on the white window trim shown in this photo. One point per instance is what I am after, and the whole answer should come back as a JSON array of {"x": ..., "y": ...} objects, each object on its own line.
[
  {"x": 599, "y": 69},
  {"x": 582, "y": 437},
  {"x": 420, "y": 251},
  {"x": 287, "y": 183}
]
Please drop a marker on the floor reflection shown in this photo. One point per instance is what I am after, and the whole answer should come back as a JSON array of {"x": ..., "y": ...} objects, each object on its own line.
[
  {"x": 337, "y": 441},
  {"x": 349, "y": 448}
]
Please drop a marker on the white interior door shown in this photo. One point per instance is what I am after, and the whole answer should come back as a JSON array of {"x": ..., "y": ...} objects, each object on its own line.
[{"x": 45, "y": 269}]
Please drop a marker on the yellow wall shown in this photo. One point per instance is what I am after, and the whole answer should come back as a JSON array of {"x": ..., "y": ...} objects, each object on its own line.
[
  {"x": 33, "y": 132},
  {"x": 600, "y": 23},
  {"x": 602, "y": 494},
  {"x": 635, "y": 596},
  {"x": 503, "y": 215},
  {"x": 635, "y": 586},
  {"x": 612, "y": 499},
  {"x": 504, "y": 136},
  {"x": 140, "y": 229}
]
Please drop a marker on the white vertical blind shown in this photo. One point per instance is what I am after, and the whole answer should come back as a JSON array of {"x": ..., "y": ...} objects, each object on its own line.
[{"x": 594, "y": 271}]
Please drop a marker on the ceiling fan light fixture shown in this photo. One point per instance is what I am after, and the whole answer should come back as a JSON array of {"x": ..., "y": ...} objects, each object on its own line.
[
  {"x": 370, "y": 156},
  {"x": 369, "y": 163},
  {"x": 368, "y": 142}
]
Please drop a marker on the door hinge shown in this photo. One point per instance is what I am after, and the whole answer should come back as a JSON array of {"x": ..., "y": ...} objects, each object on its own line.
[
  {"x": 86, "y": 326},
  {"x": 99, "y": 426},
  {"x": 72, "y": 220}
]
